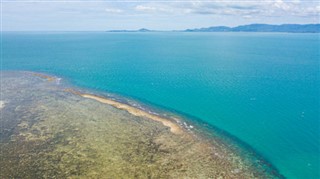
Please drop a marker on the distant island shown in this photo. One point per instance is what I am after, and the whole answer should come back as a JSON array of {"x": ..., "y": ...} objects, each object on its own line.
[
  {"x": 294, "y": 28},
  {"x": 139, "y": 30},
  {"x": 291, "y": 28}
]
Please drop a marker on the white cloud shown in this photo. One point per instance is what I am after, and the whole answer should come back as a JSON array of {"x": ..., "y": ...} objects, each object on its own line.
[
  {"x": 153, "y": 8},
  {"x": 100, "y": 15},
  {"x": 113, "y": 10},
  {"x": 145, "y": 8},
  {"x": 236, "y": 8},
  {"x": 282, "y": 5}
]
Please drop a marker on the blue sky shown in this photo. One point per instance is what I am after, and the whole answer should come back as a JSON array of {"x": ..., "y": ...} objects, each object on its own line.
[{"x": 85, "y": 15}]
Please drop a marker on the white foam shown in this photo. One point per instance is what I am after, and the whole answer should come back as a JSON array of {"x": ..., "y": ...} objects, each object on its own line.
[
  {"x": 2, "y": 104},
  {"x": 58, "y": 80}
]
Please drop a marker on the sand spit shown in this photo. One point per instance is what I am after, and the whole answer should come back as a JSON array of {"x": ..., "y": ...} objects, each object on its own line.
[
  {"x": 49, "y": 78},
  {"x": 174, "y": 128}
]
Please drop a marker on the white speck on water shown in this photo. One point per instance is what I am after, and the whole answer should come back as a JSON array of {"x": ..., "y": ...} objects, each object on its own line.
[
  {"x": 58, "y": 80},
  {"x": 2, "y": 104}
]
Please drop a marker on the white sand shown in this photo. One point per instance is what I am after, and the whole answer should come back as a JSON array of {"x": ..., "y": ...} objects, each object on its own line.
[{"x": 174, "y": 128}]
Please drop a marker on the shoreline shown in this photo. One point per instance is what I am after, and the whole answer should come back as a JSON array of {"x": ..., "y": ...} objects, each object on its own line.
[{"x": 176, "y": 126}]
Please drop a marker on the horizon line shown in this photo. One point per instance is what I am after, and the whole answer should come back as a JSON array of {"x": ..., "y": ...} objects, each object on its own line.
[{"x": 154, "y": 30}]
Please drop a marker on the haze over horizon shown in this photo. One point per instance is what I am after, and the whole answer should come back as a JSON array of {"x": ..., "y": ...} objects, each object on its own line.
[{"x": 86, "y": 15}]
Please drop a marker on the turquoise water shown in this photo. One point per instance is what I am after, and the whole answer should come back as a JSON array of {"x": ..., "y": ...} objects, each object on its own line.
[{"x": 260, "y": 87}]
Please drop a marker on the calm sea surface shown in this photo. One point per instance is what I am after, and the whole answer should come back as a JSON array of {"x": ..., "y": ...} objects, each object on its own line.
[{"x": 262, "y": 88}]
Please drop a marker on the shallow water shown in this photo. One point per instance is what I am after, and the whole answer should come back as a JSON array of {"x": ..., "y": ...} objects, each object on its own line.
[
  {"x": 49, "y": 132},
  {"x": 262, "y": 88}
]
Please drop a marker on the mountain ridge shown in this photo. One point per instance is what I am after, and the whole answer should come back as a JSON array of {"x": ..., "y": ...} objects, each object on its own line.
[
  {"x": 290, "y": 28},
  {"x": 294, "y": 28}
]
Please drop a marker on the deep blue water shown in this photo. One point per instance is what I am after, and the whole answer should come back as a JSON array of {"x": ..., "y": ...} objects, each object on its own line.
[{"x": 260, "y": 87}]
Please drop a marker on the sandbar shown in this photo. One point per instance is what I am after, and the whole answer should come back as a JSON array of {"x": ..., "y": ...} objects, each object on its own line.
[{"x": 174, "y": 127}]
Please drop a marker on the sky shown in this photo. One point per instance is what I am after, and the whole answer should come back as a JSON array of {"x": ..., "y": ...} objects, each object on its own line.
[{"x": 86, "y": 15}]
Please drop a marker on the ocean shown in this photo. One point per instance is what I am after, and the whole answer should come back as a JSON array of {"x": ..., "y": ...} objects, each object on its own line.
[{"x": 262, "y": 88}]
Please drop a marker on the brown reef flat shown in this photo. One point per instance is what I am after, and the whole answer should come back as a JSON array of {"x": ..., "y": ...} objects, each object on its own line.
[{"x": 51, "y": 131}]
